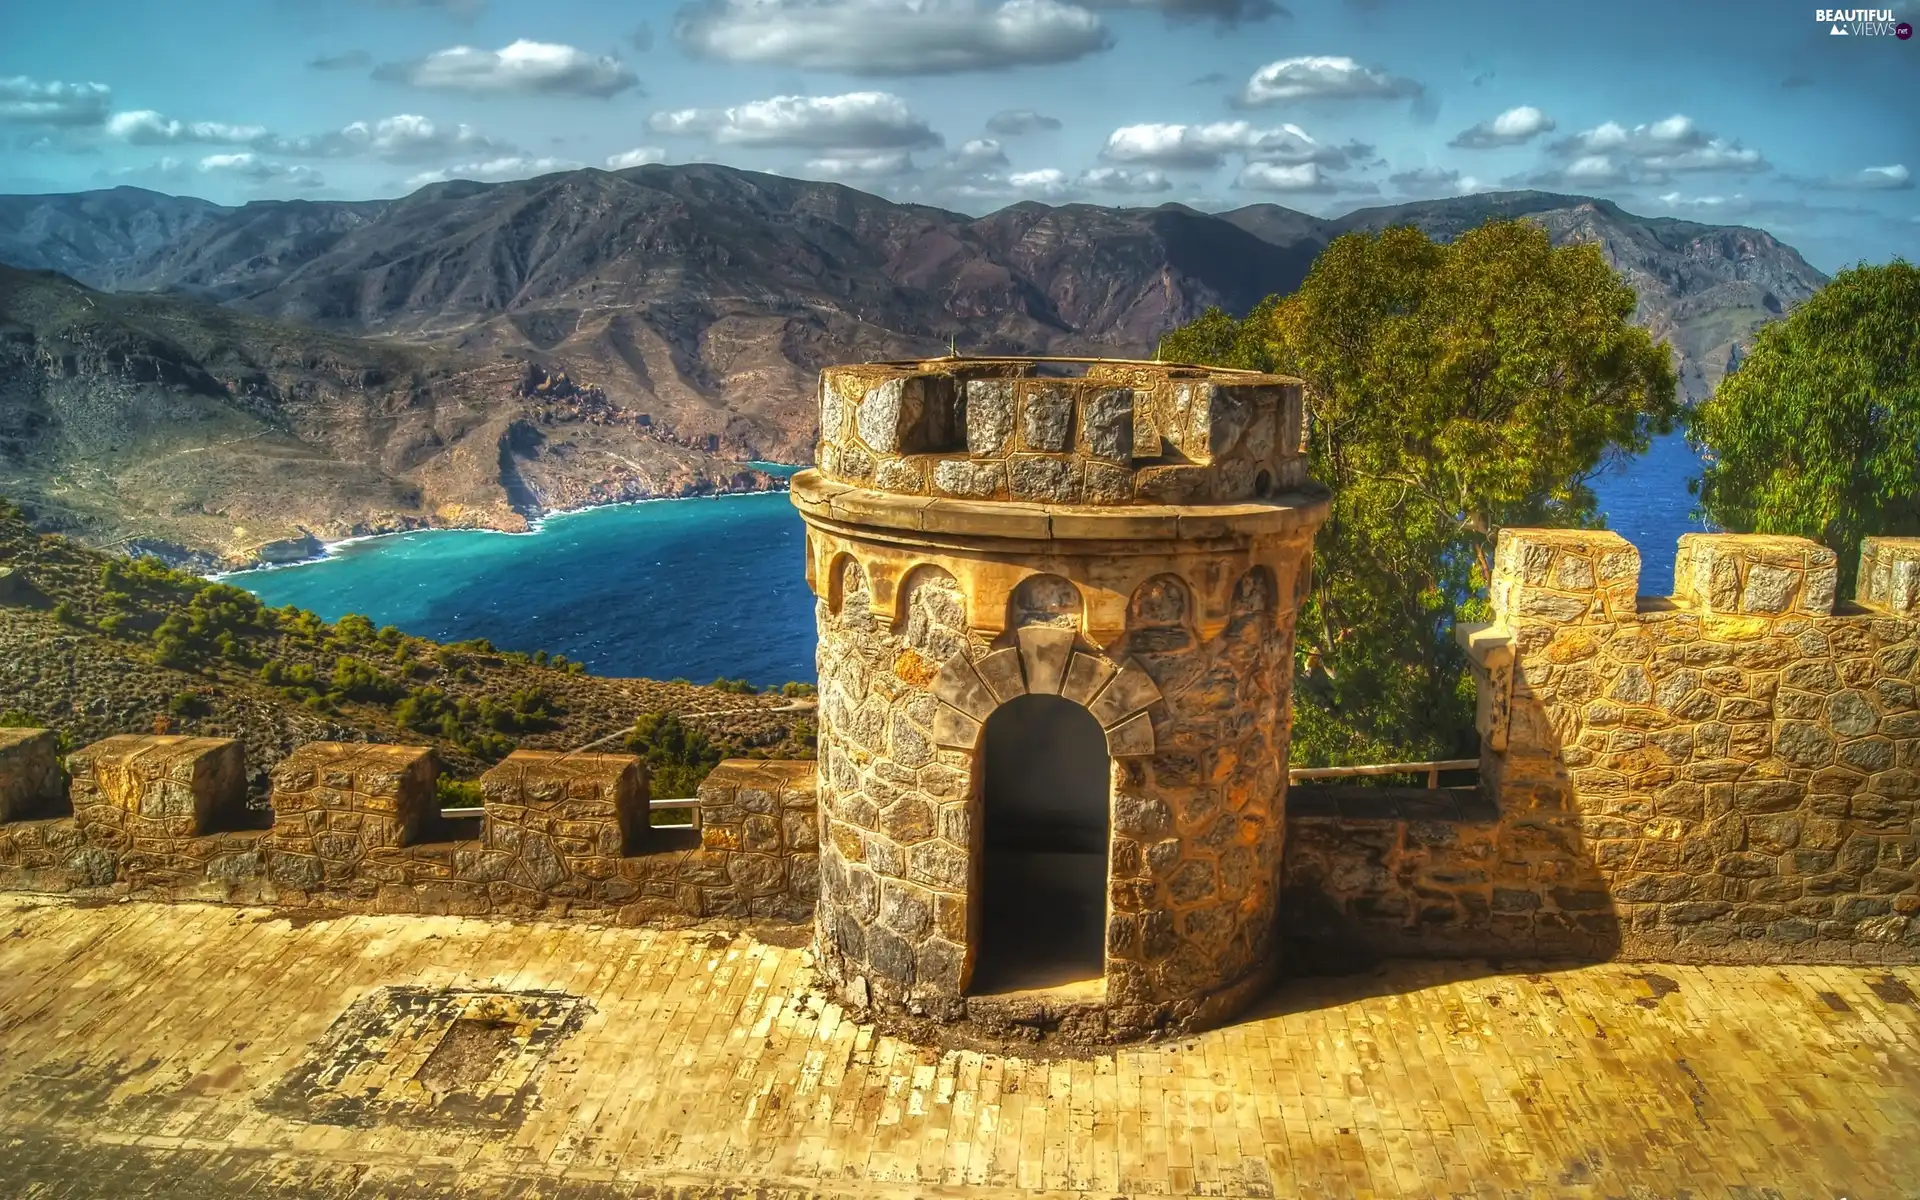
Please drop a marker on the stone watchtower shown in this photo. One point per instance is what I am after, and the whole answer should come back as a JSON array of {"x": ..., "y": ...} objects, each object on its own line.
[{"x": 1056, "y": 603}]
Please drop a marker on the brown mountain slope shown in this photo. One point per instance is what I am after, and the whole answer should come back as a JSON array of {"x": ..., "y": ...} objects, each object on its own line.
[
  {"x": 204, "y": 432},
  {"x": 708, "y": 297}
]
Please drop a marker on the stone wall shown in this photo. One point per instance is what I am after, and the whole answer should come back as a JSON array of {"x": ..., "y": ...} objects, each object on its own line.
[
  {"x": 355, "y": 827},
  {"x": 30, "y": 777},
  {"x": 1730, "y": 774},
  {"x": 983, "y": 429},
  {"x": 1191, "y": 690}
]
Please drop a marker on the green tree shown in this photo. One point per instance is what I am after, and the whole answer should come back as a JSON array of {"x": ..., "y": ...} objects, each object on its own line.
[
  {"x": 678, "y": 755},
  {"x": 1818, "y": 431},
  {"x": 1452, "y": 389}
]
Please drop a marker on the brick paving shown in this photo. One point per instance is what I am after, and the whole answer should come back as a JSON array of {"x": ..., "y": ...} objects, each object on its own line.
[{"x": 176, "y": 1050}]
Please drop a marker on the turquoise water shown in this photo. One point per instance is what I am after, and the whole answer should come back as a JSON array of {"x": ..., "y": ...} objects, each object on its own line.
[
  {"x": 708, "y": 587},
  {"x": 666, "y": 589}
]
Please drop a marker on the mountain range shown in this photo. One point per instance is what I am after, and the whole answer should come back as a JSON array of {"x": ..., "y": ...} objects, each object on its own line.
[{"x": 473, "y": 353}]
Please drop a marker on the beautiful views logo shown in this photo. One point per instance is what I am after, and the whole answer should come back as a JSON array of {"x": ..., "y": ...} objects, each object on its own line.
[{"x": 1862, "y": 22}]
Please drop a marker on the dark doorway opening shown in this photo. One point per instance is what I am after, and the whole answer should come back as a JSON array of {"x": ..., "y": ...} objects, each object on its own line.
[{"x": 1042, "y": 884}]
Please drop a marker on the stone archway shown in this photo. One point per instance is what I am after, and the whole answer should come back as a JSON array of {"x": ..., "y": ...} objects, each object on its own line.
[
  {"x": 1045, "y": 785},
  {"x": 1044, "y": 722}
]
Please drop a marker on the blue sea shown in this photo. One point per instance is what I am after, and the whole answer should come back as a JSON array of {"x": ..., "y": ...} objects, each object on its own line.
[{"x": 711, "y": 587}]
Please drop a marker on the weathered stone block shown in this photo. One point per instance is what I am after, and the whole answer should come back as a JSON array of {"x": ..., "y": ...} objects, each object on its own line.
[
  {"x": 1044, "y": 651},
  {"x": 989, "y": 417},
  {"x": 187, "y": 784},
  {"x": 395, "y": 783},
  {"x": 603, "y": 796},
  {"x": 1890, "y": 575},
  {"x": 1562, "y": 575},
  {"x": 1130, "y": 691},
  {"x": 1003, "y": 674},
  {"x": 1107, "y": 428},
  {"x": 1046, "y": 418},
  {"x": 1736, "y": 574},
  {"x": 29, "y": 771}
]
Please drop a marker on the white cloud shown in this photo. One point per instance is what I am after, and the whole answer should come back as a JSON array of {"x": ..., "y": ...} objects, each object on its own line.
[
  {"x": 1124, "y": 179},
  {"x": 891, "y": 37},
  {"x": 251, "y": 167},
  {"x": 1012, "y": 122},
  {"x": 144, "y": 127},
  {"x": 886, "y": 165},
  {"x": 854, "y": 121},
  {"x": 24, "y": 101},
  {"x": 1719, "y": 203},
  {"x": 639, "y": 156},
  {"x": 1510, "y": 128},
  {"x": 977, "y": 155},
  {"x": 1204, "y": 147},
  {"x": 1672, "y": 144},
  {"x": 406, "y": 137},
  {"x": 523, "y": 67},
  {"x": 1050, "y": 182},
  {"x": 1893, "y": 178},
  {"x": 1281, "y": 177},
  {"x": 1321, "y": 77},
  {"x": 512, "y": 166}
]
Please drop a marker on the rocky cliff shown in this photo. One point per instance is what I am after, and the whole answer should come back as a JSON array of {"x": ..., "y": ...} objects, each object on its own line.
[
  {"x": 209, "y": 435},
  {"x": 701, "y": 301}
]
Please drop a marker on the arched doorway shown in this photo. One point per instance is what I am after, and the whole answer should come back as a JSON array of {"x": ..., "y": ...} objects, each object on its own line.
[{"x": 1041, "y": 886}]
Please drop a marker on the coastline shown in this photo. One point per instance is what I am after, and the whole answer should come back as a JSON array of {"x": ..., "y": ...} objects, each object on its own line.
[{"x": 535, "y": 525}]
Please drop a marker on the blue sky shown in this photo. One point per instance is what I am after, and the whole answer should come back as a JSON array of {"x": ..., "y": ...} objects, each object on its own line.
[{"x": 1736, "y": 112}]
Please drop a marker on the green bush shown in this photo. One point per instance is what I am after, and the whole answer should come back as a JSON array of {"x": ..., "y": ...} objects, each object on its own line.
[
  {"x": 355, "y": 679},
  {"x": 737, "y": 686},
  {"x": 678, "y": 756},
  {"x": 449, "y": 792}
]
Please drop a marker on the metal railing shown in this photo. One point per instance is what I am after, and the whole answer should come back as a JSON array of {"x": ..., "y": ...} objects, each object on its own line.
[
  {"x": 689, "y": 802},
  {"x": 1432, "y": 770}
]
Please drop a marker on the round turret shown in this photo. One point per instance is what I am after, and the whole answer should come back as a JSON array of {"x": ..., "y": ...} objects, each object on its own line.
[{"x": 1055, "y": 604}]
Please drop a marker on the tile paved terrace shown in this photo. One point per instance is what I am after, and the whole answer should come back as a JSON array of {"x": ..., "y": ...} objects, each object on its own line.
[{"x": 167, "y": 1050}]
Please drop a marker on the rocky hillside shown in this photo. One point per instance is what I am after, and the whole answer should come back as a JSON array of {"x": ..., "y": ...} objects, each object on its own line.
[
  {"x": 708, "y": 297},
  {"x": 211, "y": 435},
  {"x": 93, "y": 645}
]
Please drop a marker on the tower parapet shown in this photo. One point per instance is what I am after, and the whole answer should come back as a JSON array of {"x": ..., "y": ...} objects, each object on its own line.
[{"x": 1018, "y": 430}]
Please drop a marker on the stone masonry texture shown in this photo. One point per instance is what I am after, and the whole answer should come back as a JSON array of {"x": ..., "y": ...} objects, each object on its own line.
[
  {"x": 1728, "y": 775},
  {"x": 29, "y": 772},
  {"x": 355, "y": 828},
  {"x": 1163, "y": 601}
]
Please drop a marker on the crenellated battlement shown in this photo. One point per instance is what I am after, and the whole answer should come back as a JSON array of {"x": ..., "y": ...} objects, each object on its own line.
[
  {"x": 1025, "y": 430},
  {"x": 355, "y": 825},
  {"x": 1580, "y": 576},
  {"x": 1735, "y": 768}
]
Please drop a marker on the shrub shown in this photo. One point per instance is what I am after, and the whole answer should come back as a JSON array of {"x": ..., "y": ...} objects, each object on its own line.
[
  {"x": 355, "y": 679},
  {"x": 449, "y": 792},
  {"x": 678, "y": 756}
]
